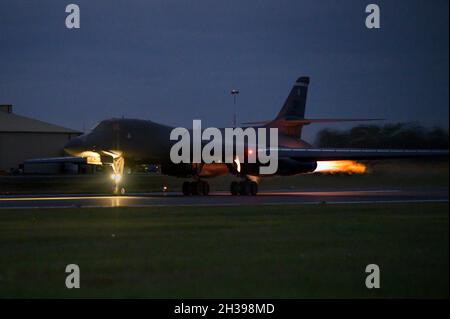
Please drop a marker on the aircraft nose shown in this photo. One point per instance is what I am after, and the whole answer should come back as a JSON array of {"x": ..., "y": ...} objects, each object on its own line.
[{"x": 74, "y": 146}]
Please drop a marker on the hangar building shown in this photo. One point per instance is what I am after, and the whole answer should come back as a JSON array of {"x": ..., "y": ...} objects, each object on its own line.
[{"x": 23, "y": 138}]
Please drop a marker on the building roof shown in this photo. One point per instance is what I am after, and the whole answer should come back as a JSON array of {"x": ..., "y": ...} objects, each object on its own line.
[{"x": 10, "y": 122}]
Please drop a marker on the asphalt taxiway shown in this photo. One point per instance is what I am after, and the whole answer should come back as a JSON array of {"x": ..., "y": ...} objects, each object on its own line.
[{"x": 282, "y": 197}]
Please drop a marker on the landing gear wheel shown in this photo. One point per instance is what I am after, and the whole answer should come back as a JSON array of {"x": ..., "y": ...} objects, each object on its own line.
[
  {"x": 119, "y": 190},
  {"x": 186, "y": 188},
  {"x": 195, "y": 188},
  {"x": 201, "y": 188},
  {"x": 234, "y": 188},
  {"x": 244, "y": 188},
  {"x": 253, "y": 188},
  {"x": 205, "y": 188}
]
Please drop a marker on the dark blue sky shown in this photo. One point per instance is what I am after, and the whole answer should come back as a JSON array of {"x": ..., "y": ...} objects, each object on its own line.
[{"x": 172, "y": 61}]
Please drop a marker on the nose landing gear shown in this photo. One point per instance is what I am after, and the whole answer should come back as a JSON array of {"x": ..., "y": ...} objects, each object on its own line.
[
  {"x": 119, "y": 190},
  {"x": 118, "y": 167}
]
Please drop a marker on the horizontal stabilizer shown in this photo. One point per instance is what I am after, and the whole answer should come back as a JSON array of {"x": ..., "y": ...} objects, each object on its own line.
[
  {"x": 335, "y": 154},
  {"x": 308, "y": 121}
]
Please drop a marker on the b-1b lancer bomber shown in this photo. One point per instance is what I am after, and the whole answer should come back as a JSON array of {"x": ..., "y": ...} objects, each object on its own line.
[{"x": 124, "y": 143}]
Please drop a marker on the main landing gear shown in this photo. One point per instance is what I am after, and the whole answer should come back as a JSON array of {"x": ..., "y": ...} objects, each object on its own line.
[
  {"x": 244, "y": 188},
  {"x": 199, "y": 187},
  {"x": 195, "y": 188}
]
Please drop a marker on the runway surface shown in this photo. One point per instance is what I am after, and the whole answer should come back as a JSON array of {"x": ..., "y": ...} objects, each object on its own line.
[{"x": 223, "y": 199}]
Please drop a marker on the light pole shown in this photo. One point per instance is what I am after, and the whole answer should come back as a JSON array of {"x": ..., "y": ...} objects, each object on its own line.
[{"x": 234, "y": 93}]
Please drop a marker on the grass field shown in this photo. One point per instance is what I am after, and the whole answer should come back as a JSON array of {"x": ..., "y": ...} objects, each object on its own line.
[{"x": 309, "y": 251}]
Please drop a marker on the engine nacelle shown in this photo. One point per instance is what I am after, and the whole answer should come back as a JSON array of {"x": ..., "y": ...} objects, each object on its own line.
[{"x": 286, "y": 166}]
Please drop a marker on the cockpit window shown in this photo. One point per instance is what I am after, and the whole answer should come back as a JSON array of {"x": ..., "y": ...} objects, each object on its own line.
[
  {"x": 94, "y": 127},
  {"x": 101, "y": 126}
]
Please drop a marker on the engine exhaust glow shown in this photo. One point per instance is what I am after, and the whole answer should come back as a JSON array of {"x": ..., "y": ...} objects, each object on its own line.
[{"x": 349, "y": 167}]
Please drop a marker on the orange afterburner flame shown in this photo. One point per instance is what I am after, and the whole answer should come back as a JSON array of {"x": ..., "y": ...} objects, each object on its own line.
[{"x": 349, "y": 167}]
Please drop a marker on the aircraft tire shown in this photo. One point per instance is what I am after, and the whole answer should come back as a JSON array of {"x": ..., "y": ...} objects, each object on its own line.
[
  {"x": 205, "y": 188},
  {"x": 195, "y": 188},
  {"x": 234, "y": 188},
  {"x": 119, "y": 190},
  {"x": 186, "y": 188},
  {"x": 253, "y": 188},
  {"x": 244, "y": 188}
]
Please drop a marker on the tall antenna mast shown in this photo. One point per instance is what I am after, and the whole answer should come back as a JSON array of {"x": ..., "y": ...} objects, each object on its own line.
[{"x": 234, "y": 93}]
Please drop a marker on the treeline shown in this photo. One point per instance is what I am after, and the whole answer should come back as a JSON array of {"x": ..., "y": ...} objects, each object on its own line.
[{"x": 398, "y": 135}]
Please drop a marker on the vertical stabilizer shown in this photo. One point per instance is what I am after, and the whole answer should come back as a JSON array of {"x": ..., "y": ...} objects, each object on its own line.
[{"x": 294, "y": 106}]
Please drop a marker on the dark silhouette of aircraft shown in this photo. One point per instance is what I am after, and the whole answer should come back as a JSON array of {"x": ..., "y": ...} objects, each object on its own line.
[{"x": 124, "y": 143}]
